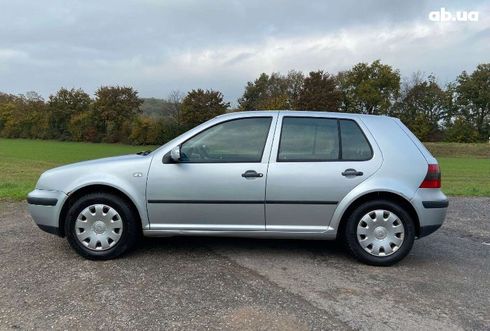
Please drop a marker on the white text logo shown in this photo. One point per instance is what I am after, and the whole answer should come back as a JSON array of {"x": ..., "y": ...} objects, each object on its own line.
[{"x": 444, "y": 15}]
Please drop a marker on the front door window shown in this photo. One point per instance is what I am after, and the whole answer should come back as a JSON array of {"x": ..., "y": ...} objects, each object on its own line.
[{"x": 235, "y": 141}]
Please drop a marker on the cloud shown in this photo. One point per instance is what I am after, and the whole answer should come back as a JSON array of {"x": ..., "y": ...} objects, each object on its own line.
[
  {"x": 159, "y": 46},
  {"x": 11, "y": 54}
]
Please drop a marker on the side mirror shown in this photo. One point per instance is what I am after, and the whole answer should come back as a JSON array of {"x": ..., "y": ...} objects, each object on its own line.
[{"x": 175, "y": 154}]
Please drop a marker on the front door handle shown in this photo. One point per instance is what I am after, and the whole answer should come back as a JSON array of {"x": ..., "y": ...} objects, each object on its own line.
[
  {"x": 252, "y": 174},
  {"x": 352, "y": 172}
]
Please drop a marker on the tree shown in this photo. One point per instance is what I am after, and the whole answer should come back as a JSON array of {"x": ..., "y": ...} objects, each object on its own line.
[
  {"x": 272, "y": 92},
  {"x": 83, "y": 127},
  {"x": 319, "y": 92},
  {"x": 63, "y": 106},
  {"x": 423, "y": 106},
  {"x": 174, "y": 102},
  {"x": 459, "y": 130},
  {"x": 9, "y": 117},
  {"x": 115, "y": 109},
  {"x": 36, "y": 117},
  {"x": 199, "y": 106},
  {"x": 7, "y": 111},
  {"x": 266, "y": 92},
  {"x": 23, "y": 116},
  {"x": 145, "y": 130},
  {"x": 473, "y": 99},
  {"x": 294, "y": 82},
  {"x": 369, "y": 89}
]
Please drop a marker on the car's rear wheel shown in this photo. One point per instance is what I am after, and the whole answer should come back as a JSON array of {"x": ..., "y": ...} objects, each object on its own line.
[
  {"x": 101, "y": 226},
  {"x": 379, "y": 232}
]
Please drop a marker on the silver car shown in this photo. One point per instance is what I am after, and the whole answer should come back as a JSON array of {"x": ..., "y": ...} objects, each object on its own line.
[{"x": 365, "y": 180}]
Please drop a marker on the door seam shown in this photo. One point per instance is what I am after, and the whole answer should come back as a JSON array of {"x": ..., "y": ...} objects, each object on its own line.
[{"x": 267, "y": 169}]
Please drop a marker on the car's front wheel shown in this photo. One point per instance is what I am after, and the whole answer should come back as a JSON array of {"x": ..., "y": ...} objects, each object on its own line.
[
  {"x": 101, "y": 226},
  {"x": 379, "y": 233}
]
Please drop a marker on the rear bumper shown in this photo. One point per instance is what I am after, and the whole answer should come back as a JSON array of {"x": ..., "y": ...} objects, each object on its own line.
[
  {"x": 431, "y": 206},
  {"x": 428, "y": 229},
  {"x": 44, "y": 207}
]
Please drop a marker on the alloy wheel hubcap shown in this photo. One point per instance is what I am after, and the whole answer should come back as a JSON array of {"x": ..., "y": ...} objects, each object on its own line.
[
  {"x": 380, "y": 232},
  {"x": 98, "y": 227}
]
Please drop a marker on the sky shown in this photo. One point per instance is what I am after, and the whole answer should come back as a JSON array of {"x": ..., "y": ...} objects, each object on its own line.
[{"x": 161, "y": 46}]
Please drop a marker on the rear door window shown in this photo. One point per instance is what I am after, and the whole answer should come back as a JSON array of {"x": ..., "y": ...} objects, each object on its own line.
[{"x": 310, "y": 139}]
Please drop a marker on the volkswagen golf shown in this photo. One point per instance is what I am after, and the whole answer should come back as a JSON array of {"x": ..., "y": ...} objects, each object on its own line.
[{"x": 364, "y": 180}]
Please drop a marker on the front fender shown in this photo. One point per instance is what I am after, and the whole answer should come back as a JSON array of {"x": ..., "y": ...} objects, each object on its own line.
[
  {"x": 126, "y": 174},
  {"x": 133, "y": 189}
]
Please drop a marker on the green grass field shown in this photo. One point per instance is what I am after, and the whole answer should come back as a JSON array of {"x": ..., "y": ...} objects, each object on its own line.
[
  {"x": 22, "y": 160},
  {"x": 465, "y": 167}
]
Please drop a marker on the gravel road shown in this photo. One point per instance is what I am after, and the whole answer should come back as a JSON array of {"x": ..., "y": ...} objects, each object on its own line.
[{"x": 208, "y": 283}]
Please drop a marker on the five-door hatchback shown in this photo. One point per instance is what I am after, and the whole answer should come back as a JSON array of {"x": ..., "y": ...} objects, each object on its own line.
[{"x": 365, "y": 180}]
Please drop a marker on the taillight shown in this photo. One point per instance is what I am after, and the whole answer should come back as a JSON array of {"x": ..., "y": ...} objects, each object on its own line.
[{"x": 433, "y": 177}]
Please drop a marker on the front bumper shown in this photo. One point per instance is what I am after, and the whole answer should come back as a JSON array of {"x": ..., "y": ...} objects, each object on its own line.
[{"x": 45, "y": 208}]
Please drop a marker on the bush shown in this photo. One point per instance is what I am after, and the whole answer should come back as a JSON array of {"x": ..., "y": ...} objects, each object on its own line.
[
  {"x": 147, "y": 130},
  {"x": 83, "y": 127},
  {"x": 461, "y": 131}
]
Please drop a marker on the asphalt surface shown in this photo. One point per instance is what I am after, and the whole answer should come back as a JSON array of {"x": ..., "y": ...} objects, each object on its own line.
[{"x": 209, "y": 283}]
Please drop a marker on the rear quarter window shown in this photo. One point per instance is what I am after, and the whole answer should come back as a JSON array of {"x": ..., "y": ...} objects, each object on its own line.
[{"x": 355, "y": 146}]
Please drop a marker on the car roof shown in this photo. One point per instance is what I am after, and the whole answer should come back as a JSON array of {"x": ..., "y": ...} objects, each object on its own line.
[{"x": 298, "y": 113}]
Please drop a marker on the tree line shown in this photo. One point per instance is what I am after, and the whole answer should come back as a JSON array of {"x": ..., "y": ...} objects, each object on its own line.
[{"x": 456, "y": 112}]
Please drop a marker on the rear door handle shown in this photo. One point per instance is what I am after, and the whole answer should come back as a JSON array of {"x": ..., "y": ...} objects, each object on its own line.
[
  {"x": 352, "y": 172},
  {"x": 251, "y": 174}
]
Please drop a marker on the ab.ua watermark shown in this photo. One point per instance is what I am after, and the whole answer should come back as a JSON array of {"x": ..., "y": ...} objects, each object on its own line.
[{"x": 444, "y": 15}]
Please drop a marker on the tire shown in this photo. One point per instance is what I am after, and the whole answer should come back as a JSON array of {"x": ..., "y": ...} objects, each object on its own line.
[
  {"x": 112, "y": 227},
  {"x": 373, "y": 233}
]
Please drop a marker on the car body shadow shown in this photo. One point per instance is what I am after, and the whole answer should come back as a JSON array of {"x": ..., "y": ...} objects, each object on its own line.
[{"x": 189, "y": 244}]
